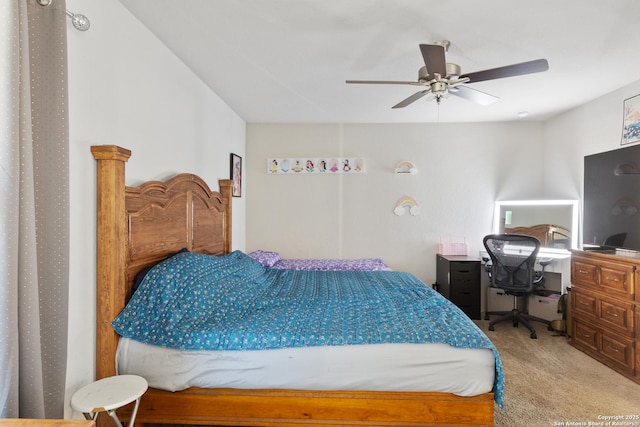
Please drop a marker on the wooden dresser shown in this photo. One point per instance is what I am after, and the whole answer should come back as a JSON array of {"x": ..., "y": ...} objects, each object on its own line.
[
  {"x": 24, "y": 422},
  {"x": 604, "y": 304}
]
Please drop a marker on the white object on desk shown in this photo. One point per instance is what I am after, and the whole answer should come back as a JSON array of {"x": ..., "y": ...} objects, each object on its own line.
[{"x": 108, "y": 395}]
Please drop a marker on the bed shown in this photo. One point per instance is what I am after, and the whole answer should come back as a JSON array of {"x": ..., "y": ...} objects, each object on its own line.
[
  {"x": 272, "y": 259},
  {"x": 138, "y": 227}
]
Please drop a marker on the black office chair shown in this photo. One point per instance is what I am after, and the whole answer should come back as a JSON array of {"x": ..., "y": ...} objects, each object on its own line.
[{"x": 513, "y": 258}]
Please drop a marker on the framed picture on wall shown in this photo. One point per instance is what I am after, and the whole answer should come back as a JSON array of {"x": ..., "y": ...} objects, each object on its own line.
[
  {"x": 236, "y": 175},
  {"x": 631, "y": 122}
]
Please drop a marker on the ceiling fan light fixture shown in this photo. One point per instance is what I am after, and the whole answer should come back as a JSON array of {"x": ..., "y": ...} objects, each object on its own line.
[
  {"x": 440, "y": 78},
  {"x": 423, "y": 75},
  {"x": 453, "y": 70},
  {"x": 523, "y": 114},
  {"x": 439, "y": 87}
]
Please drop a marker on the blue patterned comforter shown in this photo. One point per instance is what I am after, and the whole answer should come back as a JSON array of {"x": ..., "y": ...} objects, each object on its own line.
[{"x": 200, "y": 302}]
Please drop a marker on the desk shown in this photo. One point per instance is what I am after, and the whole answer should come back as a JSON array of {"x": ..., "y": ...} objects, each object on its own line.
[{"x": 557, "y": 279}]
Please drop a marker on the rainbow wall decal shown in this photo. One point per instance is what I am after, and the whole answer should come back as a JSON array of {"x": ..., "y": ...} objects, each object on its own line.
[
  {"x": 407, "y": 203},
  {"x": 624, "y": 206},
  {"x": 405, "y": 167}
]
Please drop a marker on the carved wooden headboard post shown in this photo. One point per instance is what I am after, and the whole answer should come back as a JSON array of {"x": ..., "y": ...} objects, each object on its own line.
[
  {"x": 226, "y": 187},
  {"x": 111, "y": 249}
]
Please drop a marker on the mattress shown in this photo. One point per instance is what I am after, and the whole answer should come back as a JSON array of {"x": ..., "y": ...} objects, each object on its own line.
[{"x": 379, "y": 367}]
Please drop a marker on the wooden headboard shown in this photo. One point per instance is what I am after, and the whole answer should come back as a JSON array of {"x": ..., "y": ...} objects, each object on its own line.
[
  {"x": 139, "y": 226},
  {"x": 546, "y": 233}
]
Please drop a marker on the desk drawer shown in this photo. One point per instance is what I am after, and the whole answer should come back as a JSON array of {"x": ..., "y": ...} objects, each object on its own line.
[
  {"x": 465, "y": 297},
  {"x": 464, "y": 272}
]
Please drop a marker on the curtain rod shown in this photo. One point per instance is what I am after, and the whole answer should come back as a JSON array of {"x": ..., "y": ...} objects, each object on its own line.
[{"x": 79, "y": 21}]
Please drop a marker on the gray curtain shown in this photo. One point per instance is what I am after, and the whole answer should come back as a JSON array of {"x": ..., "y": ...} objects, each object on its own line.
[{"x": 34, "y": 219}]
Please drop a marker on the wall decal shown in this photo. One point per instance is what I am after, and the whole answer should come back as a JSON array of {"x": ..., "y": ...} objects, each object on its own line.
[
  {"x": 405, "y": 204},
  {"x": 315, "y": 165},
  {"x": 405, "y": 167}
]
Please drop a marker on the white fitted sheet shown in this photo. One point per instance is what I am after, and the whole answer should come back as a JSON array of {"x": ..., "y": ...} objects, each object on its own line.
[{"x": 379, "y": 367}]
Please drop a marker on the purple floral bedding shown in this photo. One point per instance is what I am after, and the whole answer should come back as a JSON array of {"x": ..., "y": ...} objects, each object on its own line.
[{"x": 273, "y": 260}]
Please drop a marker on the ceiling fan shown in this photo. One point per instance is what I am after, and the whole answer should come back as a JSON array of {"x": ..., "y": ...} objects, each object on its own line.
[{"x": 441, "y": 78}]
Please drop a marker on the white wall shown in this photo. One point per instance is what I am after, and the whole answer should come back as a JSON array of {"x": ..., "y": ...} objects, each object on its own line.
[
  {"x": 126, "y": 88},
  {"x": 462, "y": 169},
  {"x": 592, "y": 128}
]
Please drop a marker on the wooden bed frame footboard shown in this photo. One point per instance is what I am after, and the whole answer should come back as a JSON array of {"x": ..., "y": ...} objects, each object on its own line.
[{"x": 139, "y": 226}]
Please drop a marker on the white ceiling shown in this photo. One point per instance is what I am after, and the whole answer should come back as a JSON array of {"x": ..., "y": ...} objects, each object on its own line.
[{"x": 286, "y": 61}]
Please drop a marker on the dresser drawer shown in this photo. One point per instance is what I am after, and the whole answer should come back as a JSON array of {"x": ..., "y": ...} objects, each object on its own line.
[
  {"x": 584, "y": 272},
  {"x": 583, "y": 302},
  {"x": 620, "y": 351},
  {"x": 617, "y": 278},
  {"x": 616, "y": 313},
  {"x": 585, "y": 335}
]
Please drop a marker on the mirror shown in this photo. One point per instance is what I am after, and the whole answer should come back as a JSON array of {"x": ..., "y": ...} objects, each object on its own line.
[{"x": 527, "y": 213}]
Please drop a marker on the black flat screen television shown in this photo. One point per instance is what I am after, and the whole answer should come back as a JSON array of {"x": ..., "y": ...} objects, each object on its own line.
[{"x": 611, "y": 199}]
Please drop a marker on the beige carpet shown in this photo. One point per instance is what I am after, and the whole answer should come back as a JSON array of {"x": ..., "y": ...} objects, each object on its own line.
[{"x": 550, "y": 383}]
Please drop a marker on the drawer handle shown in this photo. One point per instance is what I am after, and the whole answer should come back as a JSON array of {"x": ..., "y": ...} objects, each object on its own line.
[
  {"x": 613, "y": 349},
  {"x": 583, "y": 271},
  {"x": 583, "y": 303},
  {"x": 612, "y": 314},
  {"x": 586, "y": 335},
  {"x": 612, "y": 279}
]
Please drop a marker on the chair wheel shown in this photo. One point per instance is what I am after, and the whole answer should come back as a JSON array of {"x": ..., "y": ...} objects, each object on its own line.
[
  {"x": 549, "y": 328},
  {"x": 491, "y": 328},
  {"x": 515, "y": 324},
  {"x": 534, "y": 336}
]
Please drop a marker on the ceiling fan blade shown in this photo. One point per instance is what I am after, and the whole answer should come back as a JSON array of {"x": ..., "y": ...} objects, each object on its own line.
[
  {"x": 474, "y": 95},
  {"x": 529, "y": 67},
  {"x": 434, "y": 60},
  {"x": 383, "y": 82},
  {"x": 412, "y": 98}
]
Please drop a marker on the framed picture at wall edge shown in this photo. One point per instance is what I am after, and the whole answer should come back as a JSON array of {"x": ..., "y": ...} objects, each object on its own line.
[
  {"x": 236, "y": 174},
  {"x": 631, "y": 120}
]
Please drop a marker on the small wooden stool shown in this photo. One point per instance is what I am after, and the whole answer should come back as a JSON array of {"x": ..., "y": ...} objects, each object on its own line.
[{"x": 108, "y": 395}]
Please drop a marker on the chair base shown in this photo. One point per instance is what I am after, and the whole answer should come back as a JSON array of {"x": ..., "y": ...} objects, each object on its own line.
[{"x": 517, "y": 317}]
